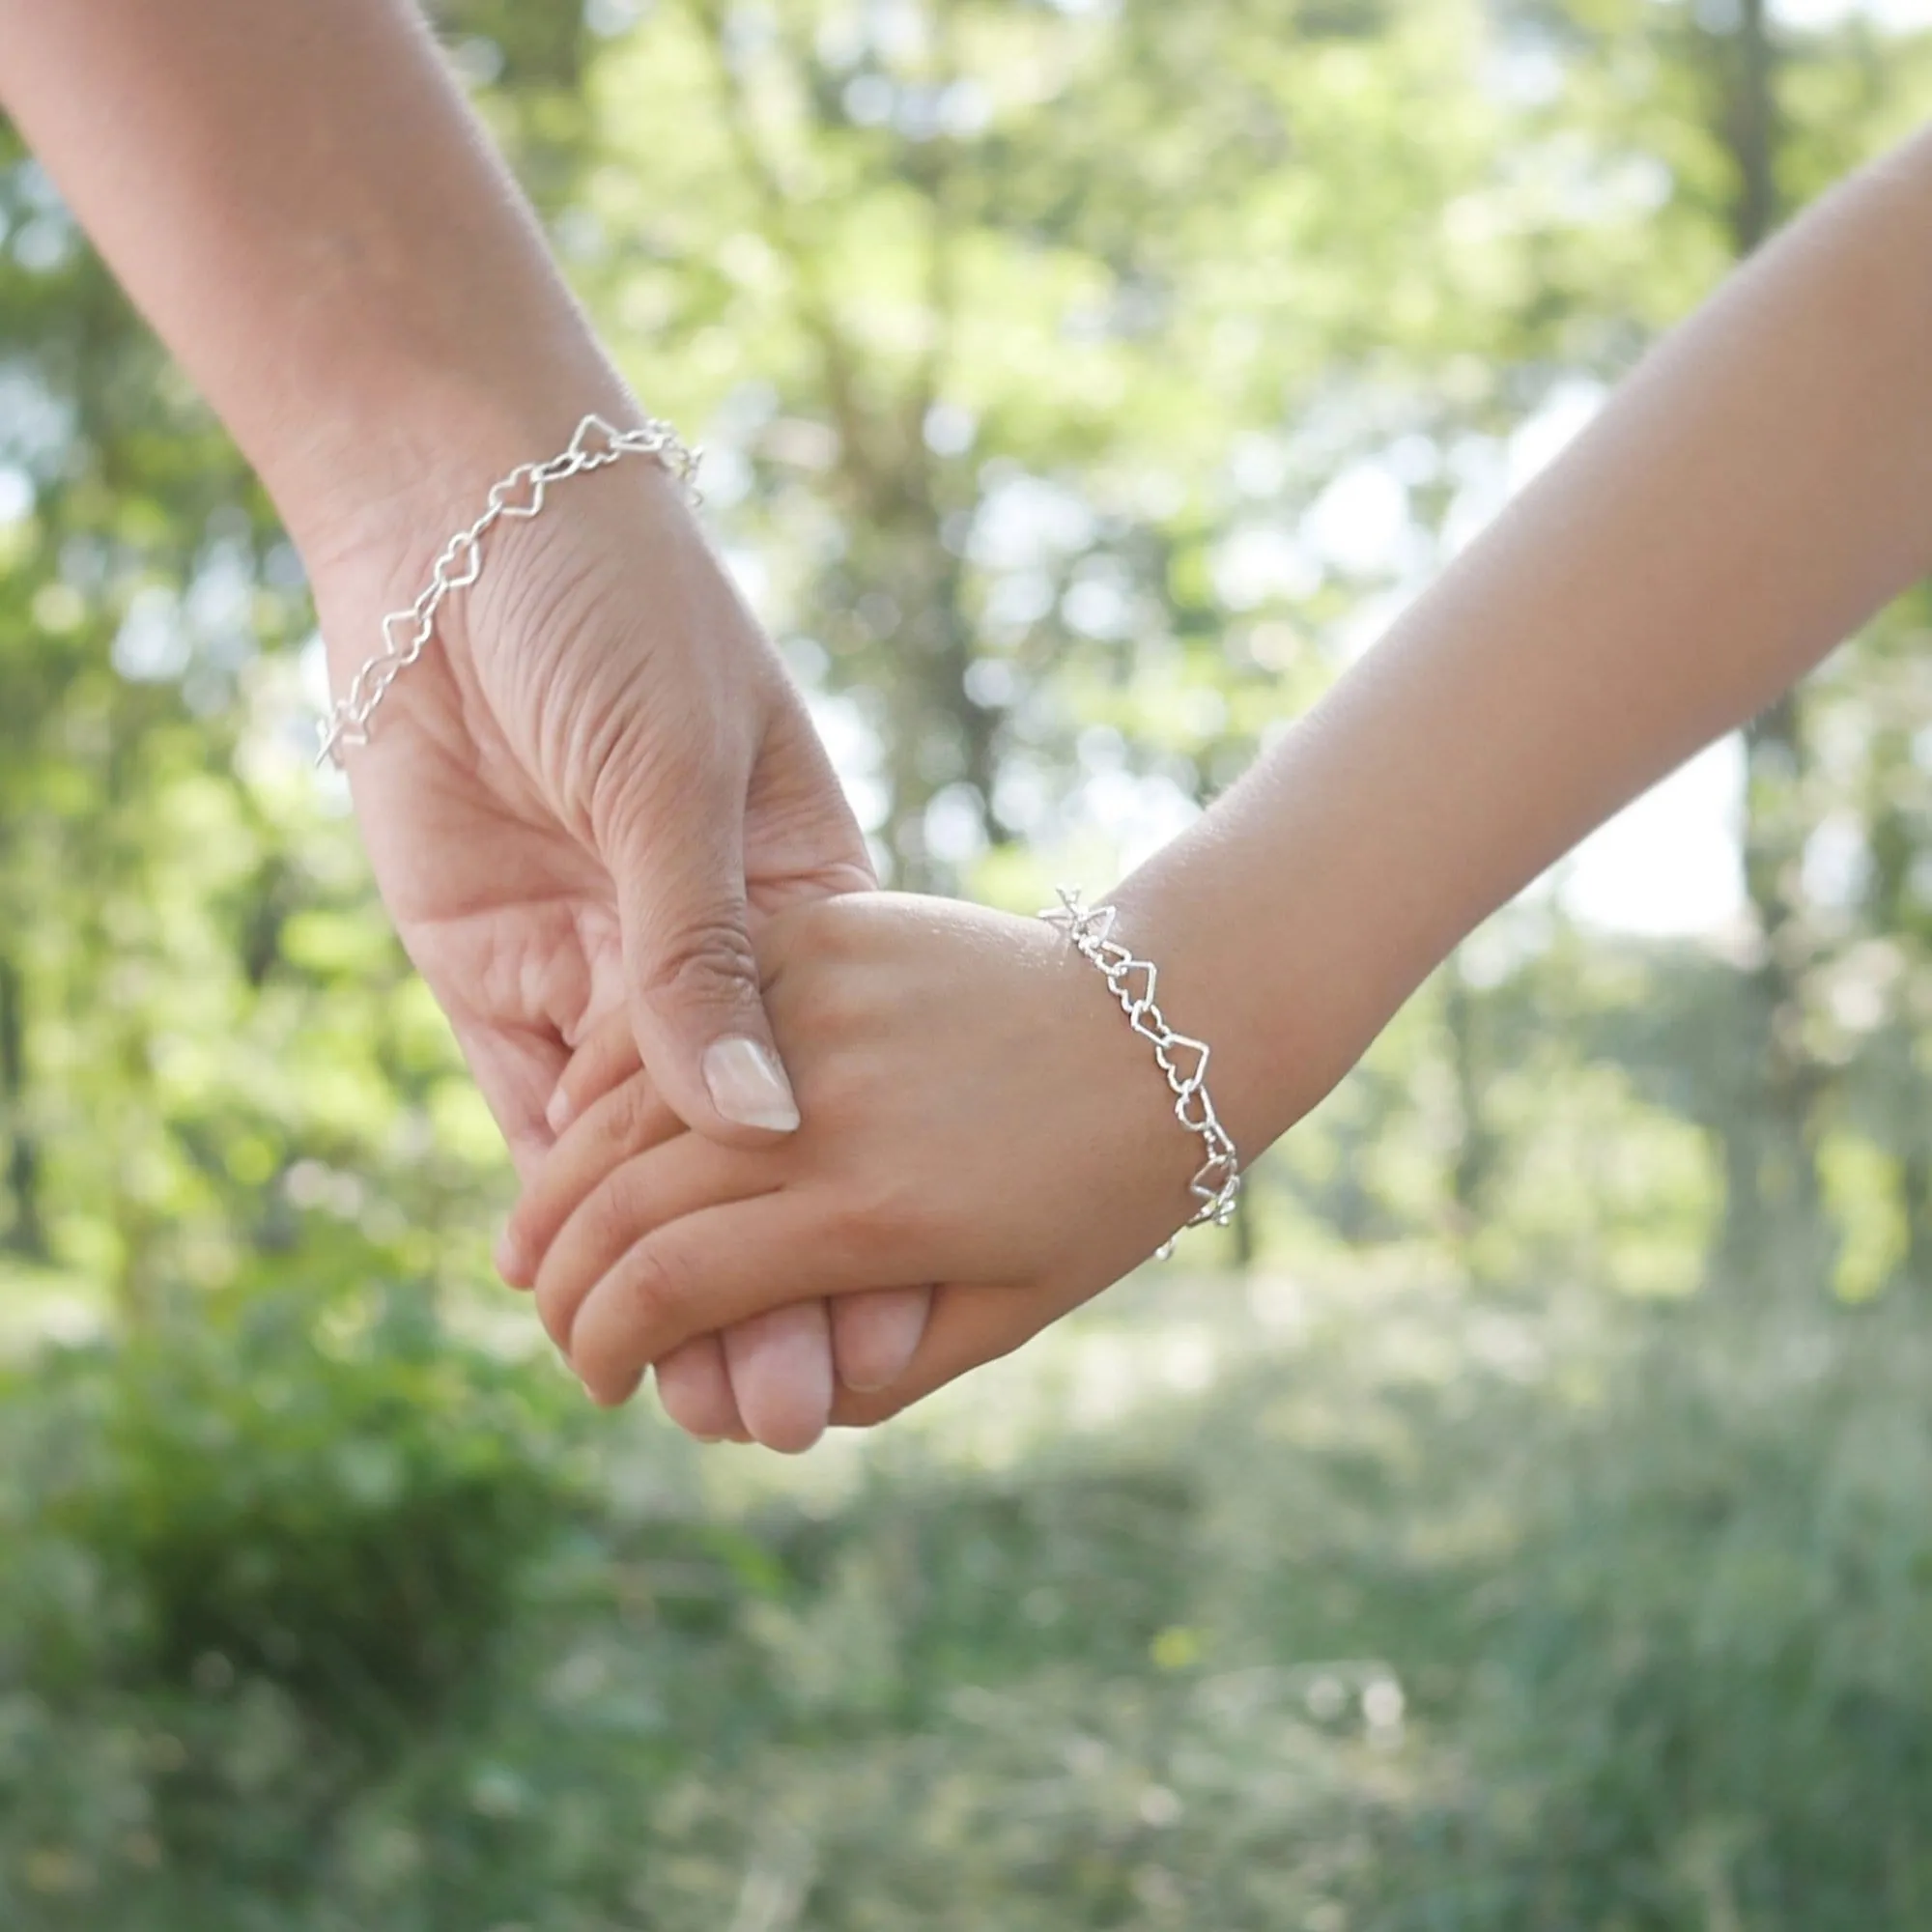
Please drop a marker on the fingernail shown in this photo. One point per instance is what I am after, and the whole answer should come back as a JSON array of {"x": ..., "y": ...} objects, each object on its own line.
[
  {"x": 882, "y": 1334},
  {"x": 511, "y": 1260},
  {"x": 748, "y": 1086},
  {"x": 560, "y": 1113},
  {"x": 781, "y": 1373}
]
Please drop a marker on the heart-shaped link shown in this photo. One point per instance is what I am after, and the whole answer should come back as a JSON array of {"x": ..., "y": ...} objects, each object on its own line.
[
  {"x": 1211, "y": 1176},
  {"x": 461, "y": 564},
  {"x": 1134, "y": 984},
  {"x": 595, "y": 444},
  {"x": 1215, "y": 1188},
  {"x": 519, "y": 495},
  {"x": 505, "y": 500},
  {"x": 1183, "y": 1060},
  {"x": 405, "y": 633}
]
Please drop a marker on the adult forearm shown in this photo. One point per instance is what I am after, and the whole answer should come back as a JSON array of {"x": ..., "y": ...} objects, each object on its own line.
[
  {"x": 298, "y": 196},
  {"x": 1759, "y": 487}
]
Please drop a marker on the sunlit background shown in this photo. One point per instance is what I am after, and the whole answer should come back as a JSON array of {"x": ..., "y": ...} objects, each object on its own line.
[{"x": 1516, "y": 1521}]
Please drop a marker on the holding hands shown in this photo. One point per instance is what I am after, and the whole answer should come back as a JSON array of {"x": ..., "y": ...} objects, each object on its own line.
[
  {"x": 610, "y": 841},
  {"x": 977, "y": 1116}
]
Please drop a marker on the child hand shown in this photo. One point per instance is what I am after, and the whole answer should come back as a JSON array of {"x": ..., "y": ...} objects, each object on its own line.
[
  {"x": 976, "y": 1113},
  {"x": 769, "y": 1378}
]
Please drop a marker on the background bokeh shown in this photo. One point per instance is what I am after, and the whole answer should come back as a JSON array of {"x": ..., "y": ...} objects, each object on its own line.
[{"x": 1518, "y": 1521}]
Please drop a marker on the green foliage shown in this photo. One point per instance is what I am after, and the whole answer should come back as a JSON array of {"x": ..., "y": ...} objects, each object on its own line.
[
  {"x": 1430, "y": 1612},
  {"x": 346, "y": 1527},
  {"x": 1085, "y": 385},
  {"x": 1712, "y": 1693},
  {"x": 280, "y": 1546}
]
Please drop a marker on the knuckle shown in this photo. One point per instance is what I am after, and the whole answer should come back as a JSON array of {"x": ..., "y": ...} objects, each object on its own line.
[
  {"x": 870, "y": 1222},
  {"x": 646, "y": 1306},
  {"x": 910, "y": 1226},
  {"x": 629, "y": 1117},
  {"x": 846, "y": 1229},
  {"x": 702, "y": 963},
  {"x": 653, "y": 1283},
  {"x": 614, "y": 1214}
]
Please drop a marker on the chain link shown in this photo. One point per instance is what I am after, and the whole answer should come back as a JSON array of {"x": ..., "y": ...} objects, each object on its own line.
[
  {"x": 513, "y": 498},
  {"x": 1216, "y": 1185}
]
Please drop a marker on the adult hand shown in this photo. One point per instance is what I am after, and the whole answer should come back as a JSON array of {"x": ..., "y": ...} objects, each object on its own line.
[
  {"x": 598, "y": 774},
  {"x": 585, "y": 797}
]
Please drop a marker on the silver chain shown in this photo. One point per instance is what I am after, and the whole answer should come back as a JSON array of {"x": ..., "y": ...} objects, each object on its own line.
[
  {"x": 515, "y": 497},
  {"x": 1216, "y": 1185}
]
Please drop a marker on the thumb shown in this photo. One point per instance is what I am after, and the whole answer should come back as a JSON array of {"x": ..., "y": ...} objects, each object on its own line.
[{"x": 693, "y": 977}]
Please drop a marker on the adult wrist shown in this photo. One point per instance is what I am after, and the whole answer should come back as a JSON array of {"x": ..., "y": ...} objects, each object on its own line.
[
  {"x": 517, "y": 499},
  {"x": 406, "y": 456},
  {"x": 374, "y": 510}
]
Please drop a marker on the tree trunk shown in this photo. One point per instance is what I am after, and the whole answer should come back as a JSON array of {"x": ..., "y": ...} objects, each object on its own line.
[
  {"x": 1774, "y": 1215},
  {"x": 936, "y": 734},
  {"x": 1471, "y": 1171},
  {"x": 24, "y": 1234}
]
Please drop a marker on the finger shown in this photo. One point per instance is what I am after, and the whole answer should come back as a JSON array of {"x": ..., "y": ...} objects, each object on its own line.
[
  {"x": 629, "y": 1389},
  {"x": 516, "y": 1071},
  {"x": 605, "y": 1054},
  {"x": 629, "y": 1121},
  {"x": 772, "y": 1378},
  {"x": 708, "y": 1269},
  {"x": 875, "y": 1336},
  {"x": 968, "y": 1326},
  {"x": 626, "y": 1210},
  {"x": 802, "y": 840},
  {"x": 780, "y": 1370},
  {"x": 695, "y": 1387},
  {"x": 696, "y": 1003}
]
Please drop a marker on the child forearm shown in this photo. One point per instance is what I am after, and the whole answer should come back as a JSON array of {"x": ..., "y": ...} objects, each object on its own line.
[{"x": 1758, "y": 488}]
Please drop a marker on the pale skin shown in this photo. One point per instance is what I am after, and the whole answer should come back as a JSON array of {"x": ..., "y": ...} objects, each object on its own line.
[
  {"x": 600, "y": 783},
  {"x": 977, "y": 1112}
]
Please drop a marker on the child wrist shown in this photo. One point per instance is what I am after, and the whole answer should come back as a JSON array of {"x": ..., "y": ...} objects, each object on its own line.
[{"x": 1182, "y": 1058}]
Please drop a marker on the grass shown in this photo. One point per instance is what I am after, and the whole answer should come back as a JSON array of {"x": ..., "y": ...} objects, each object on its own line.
[{"x": 1370, "y": 1602}]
